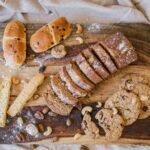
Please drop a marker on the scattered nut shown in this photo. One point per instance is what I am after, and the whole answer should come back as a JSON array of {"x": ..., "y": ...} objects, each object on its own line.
[
  {"x": 42, "y": 69},
  {"x": 77, "y": 136},
  {"x": 41, "y": 127},
  {"x": 58, "y": 52},
  {"x": 36, "y": 96},
  {"x": 15, "y": 80},
  {"x": 83, "y": 147},
  {"x": 79, "y": 28},
  {"x": 144, "y": 97},
  {"x": 48, "y": 131},
  {"x": 45, "y": 110},
  {"x": 115, "y": 111},
  {"x": 68, "y": 122},
  {"x": 86, "y": 109},
  {"x": 52, "y": 114},
  {"x": 20, "y": 121},
  {"x": 99, "y": 105},
  {"x": 79, "y": 39},
  {"x": 39, "y": 115},
  {"x": 20, "y": 137},
  {"x": 32, "y": 129}
]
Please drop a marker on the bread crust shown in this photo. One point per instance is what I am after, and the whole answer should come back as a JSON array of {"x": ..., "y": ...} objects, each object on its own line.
[
  {"x": 42, "y": 40},
  {"x": 14, "y": 44},
  {"x": 60, "y": 29},
  {"x": 50, "y": 35},
  {"x": 120, "y": 48}
]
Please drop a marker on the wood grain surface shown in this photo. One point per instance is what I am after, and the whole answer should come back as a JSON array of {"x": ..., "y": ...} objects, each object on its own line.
[{"x": 138, "y": 34}]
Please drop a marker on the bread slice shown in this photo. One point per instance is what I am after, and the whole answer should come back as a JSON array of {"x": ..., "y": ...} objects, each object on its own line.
[
  {"x": 87, "y": 69},
  {"x": 72, "y": 87},
  {"x": 95, "y": 63},
  {"x": 104, "y": 57},
  {"x": 4, "y": 99},
  {"x": 61, "y": 91},
  {"x": 55, "y": 104},
  {"x": 121, "y": 50},
  {"x": 78, "y": 77},
  {"x": 25, "y": 95}
]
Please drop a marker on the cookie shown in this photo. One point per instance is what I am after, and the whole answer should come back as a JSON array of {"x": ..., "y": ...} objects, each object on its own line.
[
  {"x": 89, "y": 126},
  {"x": 112, "y": 124},
  {"x": 127, "y": 103},
  {"x": 130, "y": 80},
  {"x": 143, "y": 91}
]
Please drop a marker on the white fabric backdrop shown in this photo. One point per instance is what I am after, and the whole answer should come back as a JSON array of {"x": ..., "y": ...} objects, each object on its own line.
[{"x": 81, "y": 11}]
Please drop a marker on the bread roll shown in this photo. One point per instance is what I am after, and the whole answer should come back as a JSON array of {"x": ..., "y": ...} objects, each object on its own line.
[
  {"x": 50, "y": 35},
  {"x": 14, "y": 44}
]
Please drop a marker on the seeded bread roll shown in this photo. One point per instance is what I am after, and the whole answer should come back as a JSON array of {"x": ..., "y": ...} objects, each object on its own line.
[
  {"x": 50, "y": 35},
  {"x": 14, "y": 44}
]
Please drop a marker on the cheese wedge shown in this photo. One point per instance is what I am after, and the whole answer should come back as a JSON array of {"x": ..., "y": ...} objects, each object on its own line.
[
  {"x": 4, "y": 99},
  {"x": 25, "y": 95}
]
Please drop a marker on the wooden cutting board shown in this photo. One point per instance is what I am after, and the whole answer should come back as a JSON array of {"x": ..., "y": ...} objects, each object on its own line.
[{"x": 138, "y": 34}]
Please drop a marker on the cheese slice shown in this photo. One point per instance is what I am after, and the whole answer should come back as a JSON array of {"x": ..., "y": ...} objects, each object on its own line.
[
  {"x": 4, "y": 99},
  {"x": 25, "y": 95}
]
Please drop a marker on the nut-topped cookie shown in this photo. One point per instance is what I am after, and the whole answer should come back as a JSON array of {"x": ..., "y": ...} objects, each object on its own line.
[
  {"x": 127, "y": 103},
  {"x": 112, "y": 123},
  {"x": 143, "y": 91}
]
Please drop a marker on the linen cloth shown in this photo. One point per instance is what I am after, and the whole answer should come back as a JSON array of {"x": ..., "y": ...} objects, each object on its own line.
[{"x": 76, "y": 11}]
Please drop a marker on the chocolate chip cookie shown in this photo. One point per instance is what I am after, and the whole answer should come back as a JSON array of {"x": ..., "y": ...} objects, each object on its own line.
[
  {"x": 127, "y": 103},
  {"x": 112, "y": 123},
  {"x": 89, "y": 126},
  {"x": 140, "y": 85},
  {"x": 130, "y": 80},
  {"x": 143, "y": 91}
]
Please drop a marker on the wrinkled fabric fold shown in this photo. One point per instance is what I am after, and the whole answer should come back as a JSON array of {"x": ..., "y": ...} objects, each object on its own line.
[{"x": 100, "y": 11}]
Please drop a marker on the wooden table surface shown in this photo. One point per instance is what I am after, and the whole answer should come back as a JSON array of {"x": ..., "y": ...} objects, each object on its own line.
[{"x": 138, "y": 34}]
